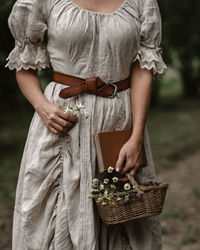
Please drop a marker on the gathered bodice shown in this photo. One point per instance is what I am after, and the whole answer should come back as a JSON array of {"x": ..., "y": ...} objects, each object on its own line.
[{"x": 86, "y": 43}]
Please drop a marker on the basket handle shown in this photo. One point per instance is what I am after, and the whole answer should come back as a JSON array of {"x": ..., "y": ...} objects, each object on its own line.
[{"x": 133, "y": 182}]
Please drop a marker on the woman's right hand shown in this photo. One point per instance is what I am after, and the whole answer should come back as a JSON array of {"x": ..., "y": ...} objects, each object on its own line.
[{"x": 56, "y": 119}]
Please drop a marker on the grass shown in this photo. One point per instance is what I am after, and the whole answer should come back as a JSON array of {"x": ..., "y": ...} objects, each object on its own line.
[
  {"x": 191, "y": 235},
  {"x": 176, "y": 214}
]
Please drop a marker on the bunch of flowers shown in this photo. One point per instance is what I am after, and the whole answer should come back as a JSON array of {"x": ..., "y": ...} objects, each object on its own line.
[
  {"x": 78, "y": 110},
  {"x": 110, "y": 190}
]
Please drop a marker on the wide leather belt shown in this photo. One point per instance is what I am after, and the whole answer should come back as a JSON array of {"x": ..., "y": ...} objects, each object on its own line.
[{"x": 93, "y": 85}]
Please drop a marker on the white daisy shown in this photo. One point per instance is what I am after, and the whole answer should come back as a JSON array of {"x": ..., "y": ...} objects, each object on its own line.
[
  {"x": 110, "y": 169},
  {"x": 100, "y": 199},
  {"x": 86, "y": 114},
  {"x": 101, "y": 187},
  {"x": 80, "y": 106},
  {"x": 113, "y": 186},
  {"x": 95, "y": 180},
  {"x": 105, "y": 181},
  {"x": 115, "y": 179},
  {"x": 127, "y": 186},
  {"x": 68, "y": 109},
  {"x": 94, "y": 190}
]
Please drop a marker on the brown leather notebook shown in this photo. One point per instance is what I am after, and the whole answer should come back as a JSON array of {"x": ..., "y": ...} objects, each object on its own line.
[{"x": 108, "y": 145}]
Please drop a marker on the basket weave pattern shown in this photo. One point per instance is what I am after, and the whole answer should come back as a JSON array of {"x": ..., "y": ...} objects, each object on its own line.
[{"x": 150, "y": 204}]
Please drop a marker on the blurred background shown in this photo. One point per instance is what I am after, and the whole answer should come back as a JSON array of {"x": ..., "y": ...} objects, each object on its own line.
[{"x": 173, "y": 123}]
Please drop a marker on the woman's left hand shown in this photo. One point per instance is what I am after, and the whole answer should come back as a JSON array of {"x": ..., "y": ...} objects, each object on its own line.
[{"x": 128, "y": 159}]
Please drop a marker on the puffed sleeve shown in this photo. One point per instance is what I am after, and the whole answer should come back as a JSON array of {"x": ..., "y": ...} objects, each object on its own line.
[
  {"x": 28, "y": 25},
  {"x": 150, "y": 54}
]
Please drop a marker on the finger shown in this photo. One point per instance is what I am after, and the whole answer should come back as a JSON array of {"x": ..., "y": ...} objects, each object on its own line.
[
  {"x": 133, "y": 171},
  {"x": 123, "y": 179},
  {"x": 68, "y": 116},
  {"x": 120, "y": 162},
  {"x": 70, "y": 127},
  {"x": 127, "y": 167},
  {"x": 57, "y": 127},
  {"x": 54, "y": 131},
  {"x": 63, "y": 123}
]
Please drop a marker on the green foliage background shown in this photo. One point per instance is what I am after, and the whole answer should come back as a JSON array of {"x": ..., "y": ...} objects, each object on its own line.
[{"x": 180, "y": 45}]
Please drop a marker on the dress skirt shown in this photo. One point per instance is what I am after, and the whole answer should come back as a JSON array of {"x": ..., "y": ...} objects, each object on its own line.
[{"x": 52, "y": 209}]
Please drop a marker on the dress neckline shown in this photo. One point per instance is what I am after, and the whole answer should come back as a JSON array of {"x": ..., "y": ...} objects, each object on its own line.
[{"x": 97, "y": 12}]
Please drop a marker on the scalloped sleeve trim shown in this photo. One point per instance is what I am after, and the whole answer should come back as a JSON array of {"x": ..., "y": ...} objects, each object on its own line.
[
  {"x": 150, "y": 57},
  {"x": 28, "y": 56}
]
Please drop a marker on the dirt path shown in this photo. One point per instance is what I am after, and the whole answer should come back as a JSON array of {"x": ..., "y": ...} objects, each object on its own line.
[{"x": 181, "y": 214}]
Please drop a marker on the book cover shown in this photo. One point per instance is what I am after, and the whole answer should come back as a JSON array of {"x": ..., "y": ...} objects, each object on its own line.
[{"x": 108, "y": 145}]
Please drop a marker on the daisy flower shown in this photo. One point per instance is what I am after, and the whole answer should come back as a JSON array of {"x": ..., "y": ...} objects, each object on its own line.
[
  {"x": 95, "y": 181},
  {"x": 110, "y": 169},
  {"x": 127, "y": 186},
  {"x": 94, "y": 190},
  {"x": 78, "y": 110},
  {"x": 100, "y": 199},
  {"x": 86, "y": 114},
  {"x": 105, "y": 181},
  {"x": 113, "y": 186},
  {"x": 68, "y": 109},
  {"x": 115, "y": 179},
  {"x": 101, "y": 187},
  {"x": 80, "y": 106}
]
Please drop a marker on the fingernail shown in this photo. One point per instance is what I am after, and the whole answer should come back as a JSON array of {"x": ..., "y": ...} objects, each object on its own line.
[{"x": 117, "y": 169}]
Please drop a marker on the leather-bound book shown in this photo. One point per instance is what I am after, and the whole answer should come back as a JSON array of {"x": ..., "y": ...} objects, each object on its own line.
[{"x": 108, "y": 145}]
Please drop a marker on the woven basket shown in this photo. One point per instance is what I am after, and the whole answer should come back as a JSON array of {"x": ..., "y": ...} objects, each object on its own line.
[{"x": 150, "y": 204}]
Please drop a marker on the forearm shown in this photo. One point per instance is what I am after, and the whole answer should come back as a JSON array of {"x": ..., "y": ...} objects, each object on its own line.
[
  {"x": 30, "y": 86},
  {"x": 141, "y": 88}
]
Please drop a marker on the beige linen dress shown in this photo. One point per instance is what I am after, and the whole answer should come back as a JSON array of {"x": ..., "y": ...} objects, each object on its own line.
[{"x": 52, "y": 210}]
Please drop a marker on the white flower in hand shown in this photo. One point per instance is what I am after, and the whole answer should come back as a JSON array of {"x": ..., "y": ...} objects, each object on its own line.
[
  {"x": 68, "y": 109},
  {"x": 78, "y": 110}
]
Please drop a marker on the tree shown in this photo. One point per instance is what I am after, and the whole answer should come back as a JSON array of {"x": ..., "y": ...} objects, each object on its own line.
[{"x": 181, "y": 25}]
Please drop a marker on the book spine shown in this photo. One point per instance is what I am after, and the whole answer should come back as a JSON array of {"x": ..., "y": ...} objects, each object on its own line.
[{"x": 98, "y": 154}]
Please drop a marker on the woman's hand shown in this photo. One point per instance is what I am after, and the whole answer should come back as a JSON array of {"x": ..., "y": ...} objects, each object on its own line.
[
  {"x": 128, "y": 159},
  {"x": 56, "y": 119}
]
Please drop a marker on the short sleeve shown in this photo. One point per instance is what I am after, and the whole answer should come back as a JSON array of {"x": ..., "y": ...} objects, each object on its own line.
[
  {"x": 28, "y": 25},
  {"x": 150, "y": 53}
]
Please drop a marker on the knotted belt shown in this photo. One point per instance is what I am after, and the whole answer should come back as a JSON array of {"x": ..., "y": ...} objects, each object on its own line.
[{"x": 92, "y": 85}]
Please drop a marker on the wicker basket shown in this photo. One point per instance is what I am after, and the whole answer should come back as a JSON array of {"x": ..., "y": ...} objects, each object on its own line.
[{"x": 150, "y": 204}]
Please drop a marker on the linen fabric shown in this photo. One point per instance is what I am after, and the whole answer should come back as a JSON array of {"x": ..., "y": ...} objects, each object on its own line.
[{"x": 52, "y": 209}]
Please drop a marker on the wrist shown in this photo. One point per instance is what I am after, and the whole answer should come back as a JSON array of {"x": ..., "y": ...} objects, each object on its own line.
[
  {"x": 137, "y": 137},
  {"x": 40, "y": 105}
]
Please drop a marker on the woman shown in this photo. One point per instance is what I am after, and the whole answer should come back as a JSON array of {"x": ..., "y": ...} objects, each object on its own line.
[{"x": 110, "y": 39}]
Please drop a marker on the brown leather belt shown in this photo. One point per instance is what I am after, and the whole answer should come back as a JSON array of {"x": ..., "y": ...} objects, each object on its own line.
[{"x": 93, "y": 85}]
